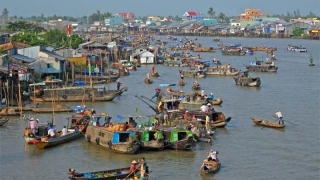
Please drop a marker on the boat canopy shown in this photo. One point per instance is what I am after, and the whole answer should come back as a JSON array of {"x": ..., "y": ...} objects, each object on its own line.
[
  {"x": 166, "y": 85},
  {"x": 38, "y": 84},
  {"x": 78, "y": 108}
]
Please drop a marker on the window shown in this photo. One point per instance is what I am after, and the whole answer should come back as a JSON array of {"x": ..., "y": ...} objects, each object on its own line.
[{"x": 50, "y": 65}]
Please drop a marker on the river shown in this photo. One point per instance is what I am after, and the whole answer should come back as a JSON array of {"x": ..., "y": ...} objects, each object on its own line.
[{"x": 246, "y": 151}]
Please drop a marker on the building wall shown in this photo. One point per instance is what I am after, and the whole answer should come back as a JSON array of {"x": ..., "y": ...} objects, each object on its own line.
[
  {"x": 117, "y": 20},
  {"x": 208, "y": 21},
  {"x": 32, "y": 52},
  {"x": 249, "y": 14}
]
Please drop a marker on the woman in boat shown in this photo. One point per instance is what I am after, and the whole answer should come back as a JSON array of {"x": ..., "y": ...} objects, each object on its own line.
[
  {"x": 213, "y": 156},
  {"x": 186, "y": 116},
  {"x": 133, "y": 165}
]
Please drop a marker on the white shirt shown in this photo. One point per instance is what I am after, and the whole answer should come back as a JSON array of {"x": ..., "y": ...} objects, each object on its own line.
[
  {"x": 213, "y": 155},
  {"x": 64, "y": 131},
  {"x": 278, "y": 114},
  {"x": 204, "y": 108},
  {"x": 202, "y": 92},
  {"x": 51, "y": 132}
]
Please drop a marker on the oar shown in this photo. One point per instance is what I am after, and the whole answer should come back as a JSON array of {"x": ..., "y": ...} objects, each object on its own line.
[
  {"x": 130, "y": 173},
  {"x": 199, "y": 170},
  {"x": 290, "y": 122}
]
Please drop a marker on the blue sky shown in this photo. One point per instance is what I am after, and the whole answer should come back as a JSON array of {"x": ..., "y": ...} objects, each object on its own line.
[{"x": 78, "y": 8}]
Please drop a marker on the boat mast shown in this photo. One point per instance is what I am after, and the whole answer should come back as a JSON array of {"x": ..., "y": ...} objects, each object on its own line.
[{"x": 91, "y": 87}]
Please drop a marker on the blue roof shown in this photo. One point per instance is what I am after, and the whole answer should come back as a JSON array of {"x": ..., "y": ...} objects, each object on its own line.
[
  {"x": 23, "y": 58},
  {"x": 53, "y": 54}
]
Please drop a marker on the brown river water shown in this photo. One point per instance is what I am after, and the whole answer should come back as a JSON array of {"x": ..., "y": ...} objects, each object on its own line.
[{"x": 246, "y": 151}]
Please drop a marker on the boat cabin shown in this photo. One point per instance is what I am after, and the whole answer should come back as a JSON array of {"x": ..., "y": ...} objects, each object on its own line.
[
  {"x": 151, "y": 135},
  {"x": 100, "y": 120},
  {"x": 178, "y": 135},
  {"x": 37, "y": 88},
  {"x": 121, "y": 137}
]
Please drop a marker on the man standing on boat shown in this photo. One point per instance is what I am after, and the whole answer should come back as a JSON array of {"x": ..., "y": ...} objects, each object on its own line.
[
  {"x": 152, "y": 69},
  {"x": 279, "y": 116},
  {"x": 33, "y": 126},
  {"x": 208, "y": 123},
  {"x": 118, "y": 84}
]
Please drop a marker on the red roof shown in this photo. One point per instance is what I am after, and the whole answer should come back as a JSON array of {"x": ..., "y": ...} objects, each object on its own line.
[
  {"x": 124, "y": 13},
  {"x": 192, "y": 13}
]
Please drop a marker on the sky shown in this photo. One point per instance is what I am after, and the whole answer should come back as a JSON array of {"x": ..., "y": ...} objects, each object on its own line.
[{"x": 79, "y": 8}]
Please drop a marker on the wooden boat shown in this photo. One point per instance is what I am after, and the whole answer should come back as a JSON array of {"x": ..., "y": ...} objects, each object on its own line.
[
  {"x": 3, "y": 121},
  {"x": 210, "y": 166},
  {"x": 72, "y": 134},
  {"x": 73, "y": 94},
  {"x": 49, "y": 110},
  {"x": 245, "y": 80},
  {"x": 216, "y": 39},
  {"x": 148, "y": 81},
  {"x": 204, "y": 49},
  {"x": 194, "y": 73},
  {"x": 272, "y": 124},
  {"x": 259, "y": 66},
  {"x": 180, "y": 139},
  {"x": 96, "y": 78},
  {"x": 155, "y": 74},
  {"x": 113, "y": 138},
  {"x": 182, "y": 82},
  {"x": 217, "y": 119},
  {"x": 189, "y": 99},
  {"x": 196, "y": 88},
  {"x": 265, "y": 48},
  {"x": 150, "y": 139},
  {"x": 177, "y": 63},
  {"x": 233, "y": 52},
  {"x": 113, "y": 174},
  {"x": 222, "y": 71}
]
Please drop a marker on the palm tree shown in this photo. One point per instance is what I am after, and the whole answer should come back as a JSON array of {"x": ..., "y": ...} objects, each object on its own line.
[
  {"x": 211, "y": 12},
  {"x": 221, "y": 17}
]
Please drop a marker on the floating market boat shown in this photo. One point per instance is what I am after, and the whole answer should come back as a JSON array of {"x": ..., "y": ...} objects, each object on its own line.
[
  {"x": 196, "y": 87},
  {"x": 148, "y": 81},
  {"x": 259, "y": 66},
  {"x": 210, "y": 166},
  {"x": 114, "y": 137},
  {"x": 204, "y": 49},
  {"x": 266, "y": 123},
  {"x": 180, "y": 139},
  {"x": 224, "y": 70},
  {"x": 150, "y": 139},
  {"x": 49, "y": 110},
  {"x": 182, "y": 82},
  {"x": 194, "y": 73},
  {"x": 245, "y": 80}
]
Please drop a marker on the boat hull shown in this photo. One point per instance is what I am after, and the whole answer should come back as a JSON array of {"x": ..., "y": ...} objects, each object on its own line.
[
  {"x": 59, "y": 140},
  {"x": 266, "y": 123},
  {"x": 102, "y": 137},
  {"x": 2, "y": 122}
]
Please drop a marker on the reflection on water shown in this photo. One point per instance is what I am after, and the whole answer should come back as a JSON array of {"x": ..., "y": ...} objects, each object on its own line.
[{"x": 246, "y": 151}]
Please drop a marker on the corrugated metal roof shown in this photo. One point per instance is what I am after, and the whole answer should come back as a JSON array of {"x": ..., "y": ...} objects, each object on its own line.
[
  {"x": 53, "y": 54},
  {"x": 23, "y": 58}
]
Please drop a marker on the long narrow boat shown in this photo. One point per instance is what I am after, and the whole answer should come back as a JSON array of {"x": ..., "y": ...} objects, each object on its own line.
[
  {"x": 72, "y": 134},
  {"x": 49, "y": 110},
  {"x": 3, "y": 121},
  {"x": 266, "y": 123},
  {"x": 119, "y": 173}
]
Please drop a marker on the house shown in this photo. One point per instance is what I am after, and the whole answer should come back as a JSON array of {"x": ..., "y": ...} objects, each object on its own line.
[
  {"x": 207, "y": 22},
  {"x": 47, "y": 61},
  {"x": 153, "y": 18},
  {"x": 144, "y": 56},
  {"x": 250, "y": 14},
  {"x": 4, "y": 38},
  {"x": 192, "y": 15},
  {"x": 112, "y": 21},
  {"x": 169, "y": 18},
  {"x": 92, "y": 45},
  {"x": 127, "y": 16},
  {"x": 290, "y": 26}
]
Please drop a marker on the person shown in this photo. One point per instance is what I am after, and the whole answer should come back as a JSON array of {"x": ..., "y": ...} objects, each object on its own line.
[
  {"x": 202, "y": 93},
  {"x": 228, "y": 66},
  {"x": 165, "y": 117},
  {"x": 279, "y": 116},
  {"x": 186, "y": 116},
  {"x": 51, "y": 133},
  {"x": 211, "y": 96},
  {"x": 199, "y": 56},
  {"x": 152, "y": 69},
  {"x": 133, "y": 165},
  {"x": 195, "y": 83},
  {"x": 93, "y": 112},
  {"x": 4, "y": 101},
  {"x": 181, "y": 75},
  {"x": 204, "y": 108},
  {"x": 209, "y": 107},
  {"x": 64, "y": 131},
  {"x": 208, "y": 123},
  {"x": 33, "y": 126},
  {"x": 213, "y": 156},
  {"x": 156, "y": 95},
  {"x": 214, "y": 59},
  {"x": 118, "y": 84},
  {"x": 193, "y": 128},
  {"x": 143, "y": 166},
  {"x": 126, "y": 126}
]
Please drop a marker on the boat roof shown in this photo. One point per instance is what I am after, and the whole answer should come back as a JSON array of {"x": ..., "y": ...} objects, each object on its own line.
[{"x": 165, "y": 85}]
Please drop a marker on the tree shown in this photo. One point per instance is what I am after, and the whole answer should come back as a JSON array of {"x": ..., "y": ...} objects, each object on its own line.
[
  {"x": 177, "y": 18},
  {"x": 2, "y": 51},
  {"x": 27, "y": 37},
  {"x": 297, "y": 31},
  {"x": 5, "y": 12},
  {"x": 211, "y": 12},
  {"x": 221, "y": 17}
]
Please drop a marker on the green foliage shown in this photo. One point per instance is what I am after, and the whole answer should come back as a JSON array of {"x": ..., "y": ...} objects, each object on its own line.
[
  {"x": 28, "y": 37},
  {"x": 221, "y": 17},
  {"x": 211, "y": 12},
  {"x": 98, "y": 16},
  {"x": 297, "y": 31},
  {"x": 2, "y": 51},
  {"x": 5, "y": 12},
  {"x": 23, "y": 25}
]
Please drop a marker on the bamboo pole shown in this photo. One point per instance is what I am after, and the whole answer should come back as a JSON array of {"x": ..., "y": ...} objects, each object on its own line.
[
  {"x": 91, "y": 87},
  {"x": 72, "y": 72},
  {"x": 20, "y": 101}
]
